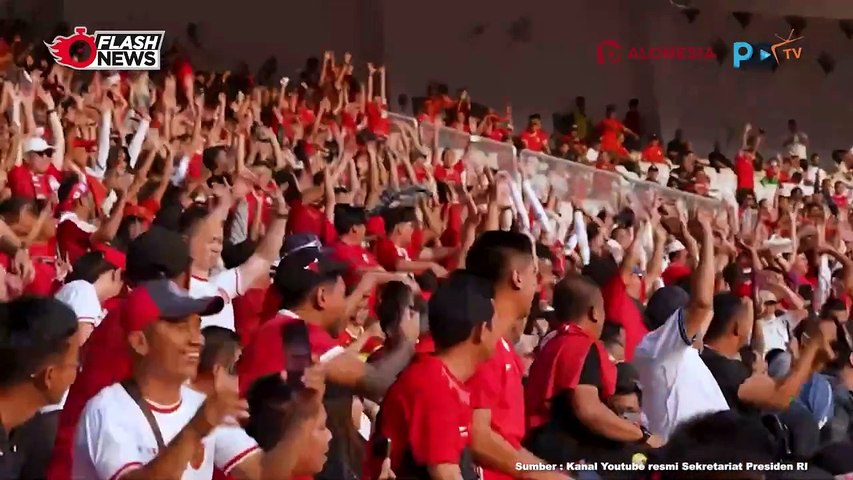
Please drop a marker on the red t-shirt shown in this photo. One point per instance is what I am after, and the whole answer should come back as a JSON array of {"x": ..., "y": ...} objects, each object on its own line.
[
  {"x": 674, "y": 273},
  {"x": 535, "y": 141},
  {"x": 72, "y": 240},
  {"x": 24, "y": 183},
  {"x": 558, "y": 368},
  {"x": 653, "y": 154},
  {"x": 248, "y": 311},
  {"x": 44, "y": 265},
  {"x": 388, "y": 254},
  {"x": 452, "y": 174},
  {"x": 377, "y": 119},
  {"x": 744, "y": 171},
  {"x": 620, "y": 308},
  {"x": 309, "y": 219},
  {"x": 497, "y": 386},
  {"x": 265, "y": 353},
  {"x": 356, "y": 257},
  {"x": 427, "y": 416}
]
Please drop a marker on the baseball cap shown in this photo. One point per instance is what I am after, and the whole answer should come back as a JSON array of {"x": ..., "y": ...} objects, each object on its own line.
[
  {"x": 305, "y": 269},
  {"x": 674, "y": 246},
  {"x": 157, "y": 253},
  {"x": 663, "y": 304},
  {"x": 300, "y": 241},
  {"x": 765, "y": 297},
  {"x": 459, "y": 304},
  {"x": 163, "y": 299},
  {"x": 36, "y": 144}
]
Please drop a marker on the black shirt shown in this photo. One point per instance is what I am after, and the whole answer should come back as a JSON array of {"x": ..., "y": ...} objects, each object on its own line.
[
  {"x": 10, "y": 459},
  {"x": 729, "y": 374}
]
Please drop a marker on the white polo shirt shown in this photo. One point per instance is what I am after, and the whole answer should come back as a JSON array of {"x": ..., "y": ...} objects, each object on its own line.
[
  {"x": 775, "y": 330},
  {"x": 81, "y": 296},
  {"x": 114, "y": 438},
  {"x": 676, "y": 383},
  {"x": 225, "y": 284}
]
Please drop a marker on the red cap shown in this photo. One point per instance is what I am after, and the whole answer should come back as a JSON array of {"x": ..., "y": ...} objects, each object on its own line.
[
  {"x": 164, "y": 300},
  {"x": 375, "y": 226},
  {"x": 77, "y": 191},
  {"x": 112, "y": 255},
  {"x": 88, "y": 145}
]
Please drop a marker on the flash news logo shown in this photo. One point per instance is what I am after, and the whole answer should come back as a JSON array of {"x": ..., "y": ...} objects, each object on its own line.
[
  {"x": 108, "y": 50},
  {"x": 768, "y": 55}
]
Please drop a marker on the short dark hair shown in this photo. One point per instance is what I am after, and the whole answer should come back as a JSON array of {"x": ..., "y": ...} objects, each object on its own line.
[
  {"x": 721, "y": 437},
  {"x": 460, "y": 304},
  {"x": 393, "y": 300},
  {"x": 208, "y": 156},
  {"x": 832, "y": 304},
  {"x": 573, "y": 297},
  {"x": 490, "y": 253},
  {"x": 11, "y": 208},
  {"x": 191, "y": 217},
  {"x": 32, "y": 330},
  {"x": 219, "y": 343},
  {"x": 347, "y": 217},
  {"x": 267, "y": 398},
  {"x": 90, "y": 266},
  {"x": 726, "y": 305},
  {"x": 66, "y": 185},
  {"x": 545, "y": 253}
]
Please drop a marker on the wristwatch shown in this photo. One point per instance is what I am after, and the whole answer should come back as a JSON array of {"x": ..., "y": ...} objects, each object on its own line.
[{"x": 646, "y": 434}]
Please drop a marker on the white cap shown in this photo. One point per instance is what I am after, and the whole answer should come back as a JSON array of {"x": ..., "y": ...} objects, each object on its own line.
[
  {"x": 36, "y": 144},
  {"x": 674, "y": 246},
  {"x": 81, "y": 296}
]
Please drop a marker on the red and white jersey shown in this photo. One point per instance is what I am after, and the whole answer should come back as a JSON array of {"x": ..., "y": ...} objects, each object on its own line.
[
  {"x": 225, "y": 284},
  {"x": 113, "y": 437}
]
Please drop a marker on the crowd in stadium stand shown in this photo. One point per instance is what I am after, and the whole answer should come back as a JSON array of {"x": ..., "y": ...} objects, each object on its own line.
[{"x": 225, "y": 275}]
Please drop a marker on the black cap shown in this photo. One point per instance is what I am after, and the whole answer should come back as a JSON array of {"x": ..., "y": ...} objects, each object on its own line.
[
  {"x": 300, "y": 241},
  {"x": 459, "y": 304},
  {"x": 663, "y": 303},
  {"x": 305, "y": 269},
  {"x": 157, "y": 253}
]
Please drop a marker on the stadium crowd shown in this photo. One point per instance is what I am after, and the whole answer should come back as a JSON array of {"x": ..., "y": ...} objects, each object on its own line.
[{"x": 220, "y": 275}]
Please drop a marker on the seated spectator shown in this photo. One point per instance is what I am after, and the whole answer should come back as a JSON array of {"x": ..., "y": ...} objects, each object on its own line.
[
  {"x": 571, "y": 382},
  {"x": 653, "y": 153}
]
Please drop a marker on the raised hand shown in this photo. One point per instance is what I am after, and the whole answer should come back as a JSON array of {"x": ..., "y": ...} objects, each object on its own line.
[{"x": 222, "y": 407}]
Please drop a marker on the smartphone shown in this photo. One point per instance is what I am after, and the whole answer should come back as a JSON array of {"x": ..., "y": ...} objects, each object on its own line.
[{"x": 297, "y": 352}]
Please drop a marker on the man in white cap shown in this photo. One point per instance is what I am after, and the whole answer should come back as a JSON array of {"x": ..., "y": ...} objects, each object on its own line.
[{"x": 37, "y": 177}]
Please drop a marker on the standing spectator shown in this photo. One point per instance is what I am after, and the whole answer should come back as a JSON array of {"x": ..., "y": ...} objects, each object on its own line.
[
  {"x": 579, "y": 119},
  {"x": 745, "y": 159},
  {"x": 797, "y": 141},
  {"x": 204, "y": 229},
  {"x": 426, "y": 414},
  {"x": 534, "y": 138},
  {"x": 93, "y": 281},
  {"x": 676, "y": 383},
  {"x": 653, "y": 152},
  {"x": 633, "y": 122},
  {"x": 506, "y": 260},
  {"x": 39, "y": 355},
  {"x": 677, "y": 147}
]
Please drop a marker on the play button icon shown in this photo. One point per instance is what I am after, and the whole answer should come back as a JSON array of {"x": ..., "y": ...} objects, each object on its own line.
[{"x": 763, "y": 54}]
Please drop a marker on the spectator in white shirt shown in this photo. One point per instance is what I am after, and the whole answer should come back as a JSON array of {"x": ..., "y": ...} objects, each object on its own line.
[
  {"x": 204, "y": 229},
  {"x": 797, "y": 141},
  {"x": 676, "y": 383},
  {"x": 92, "y": 281},
  {"x": 777, "y": 324},
  {"x": 154, "y": 425}
]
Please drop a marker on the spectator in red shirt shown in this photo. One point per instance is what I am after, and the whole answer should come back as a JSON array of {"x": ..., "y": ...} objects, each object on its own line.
[
  {"x": 653, "y": 152},
  {"x": 36, "y": 177},
  {"x": 678, "y": 268},
  {"x": 427, "y": 413},
  {"x": 841, "y": 197},
  {"x": 392, "y": 250},
  {"x": 571, "y": 381},
  {"x": 77, "y": 207},
  {"x": 534, "y": 138},
  {"x": 744, "y": 161},
  {"x": 351, "y": 227},
  {"x": 506, "y": 260}
]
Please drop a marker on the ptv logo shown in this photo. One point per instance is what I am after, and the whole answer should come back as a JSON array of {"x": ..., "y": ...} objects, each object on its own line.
[
  {"x": 767, "y": 55},
  {"x": 108, "y": 50}
]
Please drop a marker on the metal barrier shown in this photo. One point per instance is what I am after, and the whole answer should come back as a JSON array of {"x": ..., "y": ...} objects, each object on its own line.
[
  {"x": 596, "y": 189},
  {"x": 482, "y": 151}
]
